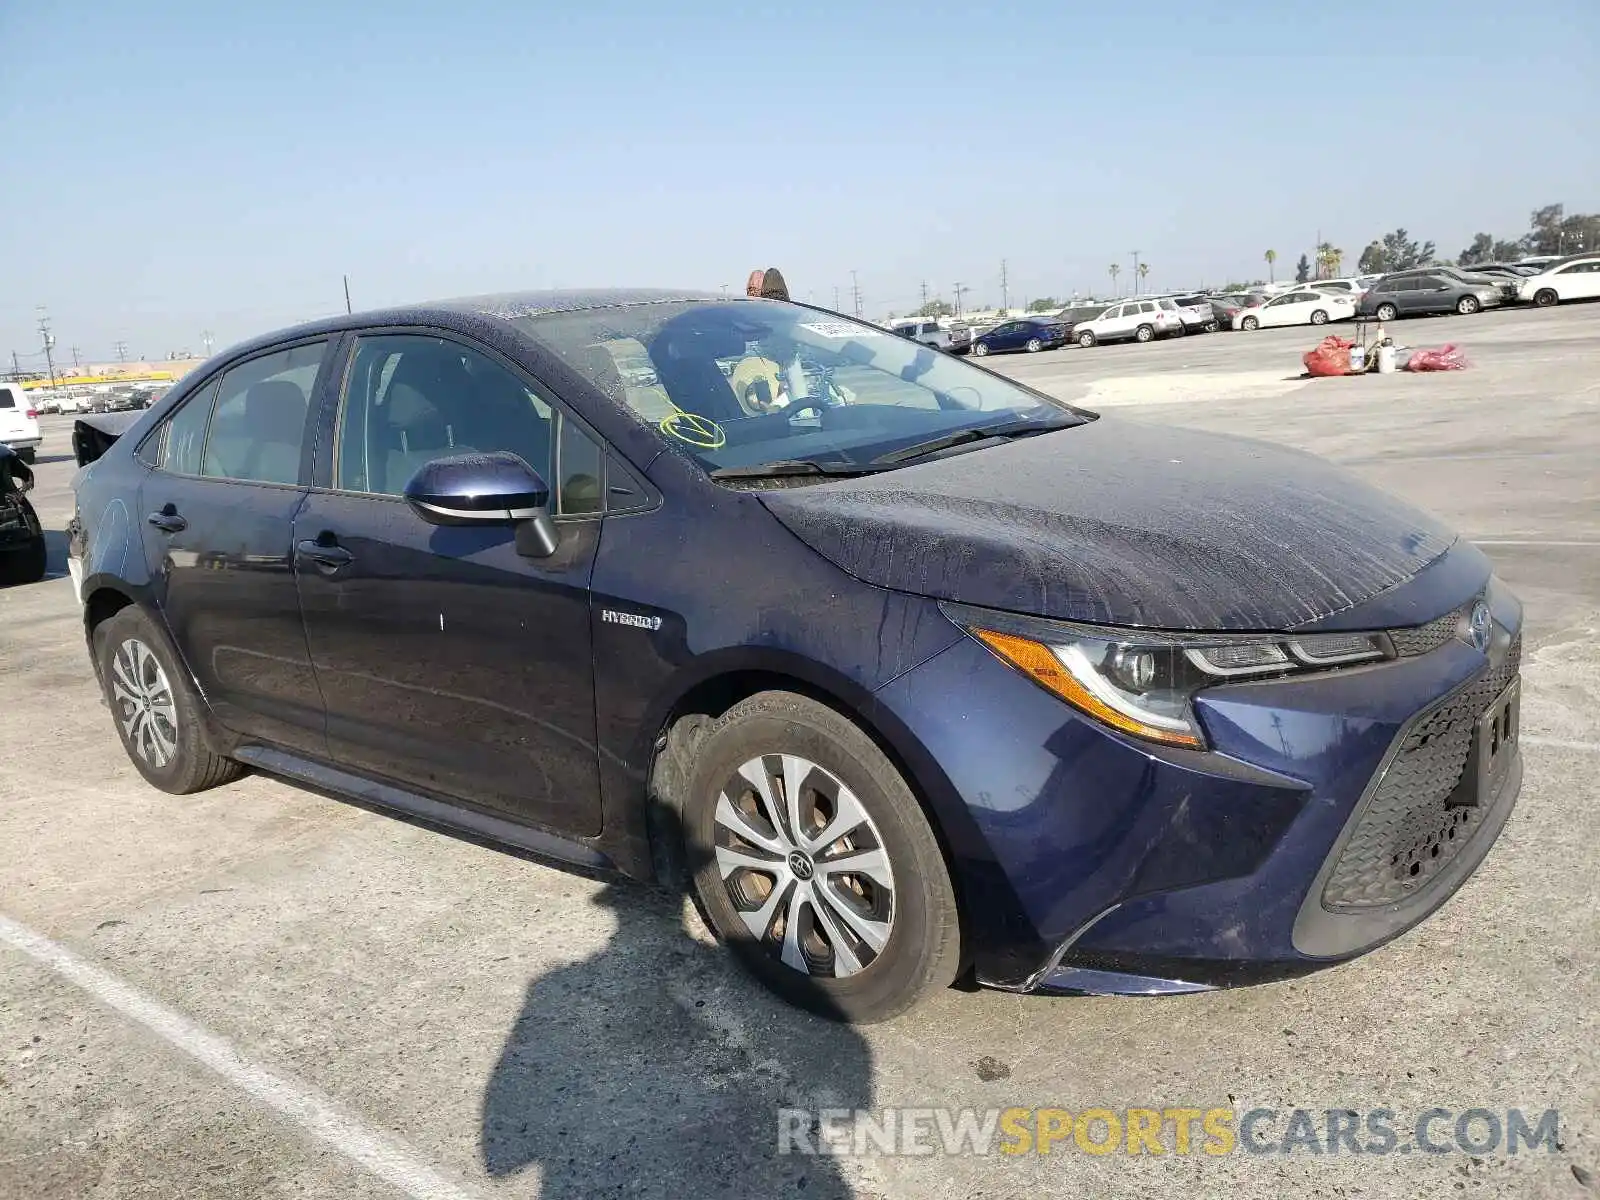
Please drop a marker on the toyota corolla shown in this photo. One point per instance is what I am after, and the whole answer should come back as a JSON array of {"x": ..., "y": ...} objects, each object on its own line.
[{"x": 909, "y": 672}]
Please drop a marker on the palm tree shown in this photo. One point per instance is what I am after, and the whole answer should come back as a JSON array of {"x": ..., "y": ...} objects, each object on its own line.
[
  {"x": 1115, "y": 271},
  {"x": 1329, "y": 257},
  {"x": 1272, "y": 257},
  {"x": 1144, "y": 269}
]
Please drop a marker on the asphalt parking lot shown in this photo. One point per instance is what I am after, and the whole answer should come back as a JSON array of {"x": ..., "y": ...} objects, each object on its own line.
[{"x": 261, "y": 991}]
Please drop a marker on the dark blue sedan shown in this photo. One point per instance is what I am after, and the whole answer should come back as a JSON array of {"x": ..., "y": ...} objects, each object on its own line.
[
  {"x": 910, "y": 672},
  {"x": 1025, "y": 333}
]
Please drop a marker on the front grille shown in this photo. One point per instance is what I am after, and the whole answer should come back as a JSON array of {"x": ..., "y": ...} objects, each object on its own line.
[
  {"x": 1409, "y": 829},
  {"x": 1421, "y": 639}
]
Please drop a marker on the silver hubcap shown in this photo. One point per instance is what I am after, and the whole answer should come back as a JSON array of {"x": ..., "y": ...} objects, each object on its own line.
[
  {"x": 804, "y": 866},
  {"x": 144, "y": 703}
]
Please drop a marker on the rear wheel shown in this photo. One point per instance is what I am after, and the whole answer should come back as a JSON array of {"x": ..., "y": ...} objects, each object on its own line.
[
  {"x": 1467, "y": 305},
  {"x": 1319, "y": 317},
  {"x": 1387, "y": 312},
  {"x": 1144, "y": 333},
  {"x": 1035, "y": 345},
  {"x": 1249, "y": 324},
  {"x": 156, "y": 712},
  {"x": 1211, "y": 326},
  {"x": 980, "y": 348},
  {"x": 1086, "y": 339},
  {"x": 814, "y": 862},
  {"x": 1545, "y": 297}
]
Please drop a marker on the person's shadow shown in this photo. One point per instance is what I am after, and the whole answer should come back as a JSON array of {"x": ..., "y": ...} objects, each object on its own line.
[{"x": 656, "y": 1067}]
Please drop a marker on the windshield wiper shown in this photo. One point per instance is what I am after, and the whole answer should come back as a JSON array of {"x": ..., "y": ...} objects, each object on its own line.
[
  {"x": 793, "y": 466},
  {"x": 960, "y": 437}
]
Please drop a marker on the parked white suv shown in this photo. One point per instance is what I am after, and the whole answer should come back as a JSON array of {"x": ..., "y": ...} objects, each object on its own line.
[
  {"x": 19, "y": 423},
  {"x": 929, "y": 333},
  {"x": 1132, "y": 320}
]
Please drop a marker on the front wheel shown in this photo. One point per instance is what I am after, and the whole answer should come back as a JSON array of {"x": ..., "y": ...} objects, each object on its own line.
[
  {"x": 1545, "y": 297},
  {"x": 1086, "y": 339},
  {"x": 1249, "y": 324},
  {"x": 1181, "y": 331},
  {"x": 1387, "y": 312},
  {"x": 1467, "y": 305},
  {"x": 157, "y": 713},
  {"x": 980, "y": 349},
  {"x": 1319, "y": 317},
  {"x": 1144, "y": 333},
  {"x": 1035, "y": 345},
  {"x": 1211, "y": 326},
  {"x": 815, "y": 863}
]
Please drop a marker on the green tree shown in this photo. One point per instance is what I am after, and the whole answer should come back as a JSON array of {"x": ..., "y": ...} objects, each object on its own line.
[
  {"x": 1506, "y": 252},
  {"x": 1272, "y": 257},
  {"x": 1144, "y": 269},
  {"x": 1481, "y": 251},
  {"x": 1114, "y": 270},
  {"x": 1043, "y": 304},
  {"x": 1371, "y": 261},
  {"x": 1329, "y": 259},
  {"x": 935, "y": 308},
  {"x": 1302, "y": 270}
]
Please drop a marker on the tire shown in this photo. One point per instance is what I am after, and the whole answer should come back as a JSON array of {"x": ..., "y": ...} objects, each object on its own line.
[
  {"x": 911, "y": 905},
  {"x": 1144, "y": 334},
  {"x": 1467, "y": 305},
  {"x": 1035, "y": 345},
  {"x": 1249, "y": 324},
  {"x": 1545, "y": 297},
  {"x": 26, "y": 565},
  {"x": 1387, "y": 312},
  {"x": 980, "y": 348},
  {"x": 1181, "y": 331},
  {"x": 168, "y": 746},
  {"x": 1086, "y": 339},
  {"x": 1211, "y": 326},
  {"x": 1318, "y": 317}
]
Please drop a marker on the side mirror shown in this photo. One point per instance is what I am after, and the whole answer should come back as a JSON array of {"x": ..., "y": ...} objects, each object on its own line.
[{"x": 486, "y": 489}]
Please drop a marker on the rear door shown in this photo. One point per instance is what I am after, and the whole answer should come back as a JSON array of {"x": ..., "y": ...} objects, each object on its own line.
[
  {"x": 1580, "y": 281},
  {"x": 217, "y": 510},
  {"x": 448, "y": 661}
]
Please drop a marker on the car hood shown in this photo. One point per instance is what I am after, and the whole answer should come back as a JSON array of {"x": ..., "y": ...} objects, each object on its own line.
[{"x": 1116, "y": 522}]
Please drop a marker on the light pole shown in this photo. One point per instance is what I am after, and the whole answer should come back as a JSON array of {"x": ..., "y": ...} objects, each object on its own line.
[{"x": 1135, "y": 272}]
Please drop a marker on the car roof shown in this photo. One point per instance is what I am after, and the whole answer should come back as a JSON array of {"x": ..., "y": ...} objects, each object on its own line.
[{"x": 465, "y": 311}]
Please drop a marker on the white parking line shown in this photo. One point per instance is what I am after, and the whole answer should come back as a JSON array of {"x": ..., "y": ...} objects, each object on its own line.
[{"x": 389, "y": 1160}]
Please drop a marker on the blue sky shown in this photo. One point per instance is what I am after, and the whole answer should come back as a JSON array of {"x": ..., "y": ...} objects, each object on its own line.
[{"x": 177, "y": 166}]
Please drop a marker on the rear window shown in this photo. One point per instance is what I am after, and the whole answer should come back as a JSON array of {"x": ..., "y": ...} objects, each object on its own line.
[{"x": 6, "y": 400}]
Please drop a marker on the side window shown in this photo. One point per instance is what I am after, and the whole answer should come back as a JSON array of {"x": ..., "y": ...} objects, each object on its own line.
[
  {"x": 258, "y": 423},
  {"x": 6, "y": 400},
  {"x": 185, "y": 433},
  {"x": 411, "y": 398},
  {"x": 582, "y": 477}
]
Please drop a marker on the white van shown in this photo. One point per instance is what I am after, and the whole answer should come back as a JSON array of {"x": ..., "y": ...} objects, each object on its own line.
[
  {"x": 19, "y": 423},
  {"x": 926, "y": 331}
]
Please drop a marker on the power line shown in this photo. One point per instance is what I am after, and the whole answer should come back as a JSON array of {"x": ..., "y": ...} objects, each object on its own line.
[{"x": 49, "y": 343}]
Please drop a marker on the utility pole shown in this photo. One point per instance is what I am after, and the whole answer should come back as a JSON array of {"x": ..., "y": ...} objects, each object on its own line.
[
  {"x": 205, "y": 340},
  {"x": 49, "y": 344},
  {"x": 77, "y": 365},
  {"x": 1005, "y": 289},
  {"x": 16, "y": 371},
  {"x": 836, "y": 298},
  {"x": 959, "y": 291},
  {"x": 855, "y": 293},
  {"x": 924, "y": 296},
  {"x": 1135, "y": 272},
  {"x": 122, "y": 352}
]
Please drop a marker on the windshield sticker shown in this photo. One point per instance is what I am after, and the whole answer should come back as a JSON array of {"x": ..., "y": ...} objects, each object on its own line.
[
  {"x": 698, "y": 431},
  {"x": 839, "y": 329}
]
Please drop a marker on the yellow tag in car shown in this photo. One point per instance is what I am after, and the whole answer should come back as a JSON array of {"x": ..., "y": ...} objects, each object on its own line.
[{"x": 695, "y": 429}]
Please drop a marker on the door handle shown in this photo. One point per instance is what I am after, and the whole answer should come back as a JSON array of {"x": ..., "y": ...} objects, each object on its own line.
[
  {"x": 167, "y": 520},
  {"x": 324, "y": 554}
]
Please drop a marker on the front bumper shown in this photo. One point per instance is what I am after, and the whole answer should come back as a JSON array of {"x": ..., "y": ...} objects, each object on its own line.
[{"x": 1090, "y": 862}]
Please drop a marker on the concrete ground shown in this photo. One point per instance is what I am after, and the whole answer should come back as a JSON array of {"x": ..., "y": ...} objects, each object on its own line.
[{"x": 264, "y": 992}]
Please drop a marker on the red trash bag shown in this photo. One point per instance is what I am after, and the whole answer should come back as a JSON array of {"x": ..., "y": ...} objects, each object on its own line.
[
  {"x": 1445, "y": 358},
  {"x": 1331, "y": 357}
]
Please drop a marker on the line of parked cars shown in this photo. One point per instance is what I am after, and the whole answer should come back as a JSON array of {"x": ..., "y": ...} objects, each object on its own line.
[{"x": 1418, "y": 291}]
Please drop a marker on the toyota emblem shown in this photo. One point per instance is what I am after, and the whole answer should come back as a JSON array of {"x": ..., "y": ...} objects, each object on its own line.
[{"x": 1478, "y": 626}]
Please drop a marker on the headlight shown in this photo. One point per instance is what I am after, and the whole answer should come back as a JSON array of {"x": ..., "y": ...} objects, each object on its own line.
[{"x": 1144, "y": 683}]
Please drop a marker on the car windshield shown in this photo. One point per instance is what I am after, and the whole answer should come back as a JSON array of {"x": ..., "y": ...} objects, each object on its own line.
[{"x": 742, "y": 383}]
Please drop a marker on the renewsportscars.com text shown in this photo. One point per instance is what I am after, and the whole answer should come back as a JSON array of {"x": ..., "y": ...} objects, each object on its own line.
[{"x": 1168, "y": 1130}]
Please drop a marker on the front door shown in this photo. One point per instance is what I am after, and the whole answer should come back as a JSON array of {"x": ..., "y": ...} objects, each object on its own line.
[
  {"x": 447, "y": 660},
  {"x": 217, "y": 515}
]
